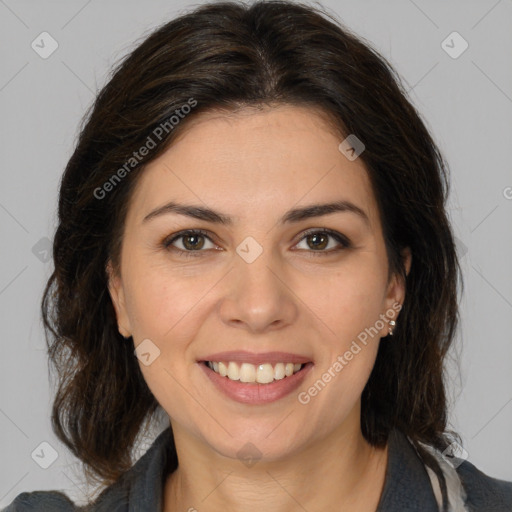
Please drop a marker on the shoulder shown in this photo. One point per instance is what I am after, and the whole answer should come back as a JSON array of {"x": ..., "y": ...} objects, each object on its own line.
[
  {"x": 484, "y": 493},
  {"x": 55, "y": 501},
  {"x": 140, "y": 486},
  {"x": 51, "y": 501}
]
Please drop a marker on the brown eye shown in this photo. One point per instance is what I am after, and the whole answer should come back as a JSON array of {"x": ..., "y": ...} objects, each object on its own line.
[
  {"x": 192, "y": 241},
  {"x": 318, "y": 241}
]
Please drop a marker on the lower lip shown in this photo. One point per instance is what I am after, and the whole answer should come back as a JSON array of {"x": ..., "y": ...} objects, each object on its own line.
[{"x": 255, "y": 393}]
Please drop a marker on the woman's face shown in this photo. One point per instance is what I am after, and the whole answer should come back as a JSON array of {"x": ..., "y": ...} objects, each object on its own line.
[{"x": 269, "y": 286}]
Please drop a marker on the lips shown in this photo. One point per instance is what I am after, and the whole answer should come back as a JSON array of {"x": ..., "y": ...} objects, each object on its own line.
[
  {"x": 240, "y": 356},
  {"x": 267, "y": 383},
  {"x": 254, "y": 393}
]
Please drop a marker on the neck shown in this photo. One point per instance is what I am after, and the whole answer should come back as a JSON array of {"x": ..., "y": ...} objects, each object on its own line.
[{"x": 342, "y": 472}]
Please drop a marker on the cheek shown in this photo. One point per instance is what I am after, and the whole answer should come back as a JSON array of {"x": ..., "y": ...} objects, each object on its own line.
[
  {"x": 166, "y": 310},
  {"x": 347, "y": 301},
  {"x": 159, "y": 304}
]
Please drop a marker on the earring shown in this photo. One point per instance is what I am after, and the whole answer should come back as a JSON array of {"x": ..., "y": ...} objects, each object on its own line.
[{"x": 392, "y": 323}]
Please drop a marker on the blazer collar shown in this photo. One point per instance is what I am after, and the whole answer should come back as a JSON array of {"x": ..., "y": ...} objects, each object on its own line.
[{"x": 407, "y": 485}]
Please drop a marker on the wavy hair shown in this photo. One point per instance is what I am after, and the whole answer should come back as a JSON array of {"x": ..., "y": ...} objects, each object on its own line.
[{"x": 228, "y": 56}]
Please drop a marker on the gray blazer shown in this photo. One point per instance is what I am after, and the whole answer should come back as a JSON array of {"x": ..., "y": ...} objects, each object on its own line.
[{"x": 407, "y": 486}]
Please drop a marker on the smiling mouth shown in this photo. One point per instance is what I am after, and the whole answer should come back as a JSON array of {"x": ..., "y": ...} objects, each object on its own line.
[{"x": 265, "y": 373}]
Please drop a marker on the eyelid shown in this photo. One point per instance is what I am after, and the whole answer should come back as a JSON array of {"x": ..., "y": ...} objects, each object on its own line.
[
  {"x": 168, "y": 240},
  {"x": 339, "y": 237}
]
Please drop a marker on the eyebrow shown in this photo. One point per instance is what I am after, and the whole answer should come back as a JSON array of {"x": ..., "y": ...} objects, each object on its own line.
[{"x": 291, "y": 216}]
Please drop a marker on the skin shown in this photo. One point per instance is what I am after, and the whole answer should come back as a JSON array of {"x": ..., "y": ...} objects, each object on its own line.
[{"x": 255, "y": 166}]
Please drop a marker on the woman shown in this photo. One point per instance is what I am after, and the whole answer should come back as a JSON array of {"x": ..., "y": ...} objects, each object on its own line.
[{"x": 253, "y": 239}]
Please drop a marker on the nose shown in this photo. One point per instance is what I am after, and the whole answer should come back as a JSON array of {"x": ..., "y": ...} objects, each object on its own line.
[{"x": 258, "y": 295}]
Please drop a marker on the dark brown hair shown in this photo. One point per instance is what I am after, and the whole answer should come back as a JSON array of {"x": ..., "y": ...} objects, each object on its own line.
[{"x": 229, "y": 56}]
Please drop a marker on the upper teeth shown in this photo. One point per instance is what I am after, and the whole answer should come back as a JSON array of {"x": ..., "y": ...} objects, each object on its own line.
[{"x": 246, "y": 372}]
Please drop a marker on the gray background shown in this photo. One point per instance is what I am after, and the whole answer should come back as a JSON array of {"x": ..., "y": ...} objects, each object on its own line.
[{"x": 466, "y": 102}]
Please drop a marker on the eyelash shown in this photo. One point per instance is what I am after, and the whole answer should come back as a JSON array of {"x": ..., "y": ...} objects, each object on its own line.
[{"x": 341, "y": 239}]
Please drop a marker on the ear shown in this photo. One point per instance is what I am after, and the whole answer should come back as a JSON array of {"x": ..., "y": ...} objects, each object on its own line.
[
  {"x": 116, "y": 291},
  {"x": 395, "y": 294}
]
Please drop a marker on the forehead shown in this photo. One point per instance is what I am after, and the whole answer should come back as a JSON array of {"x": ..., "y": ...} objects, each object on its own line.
[{"x": 254, "y": 161}]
